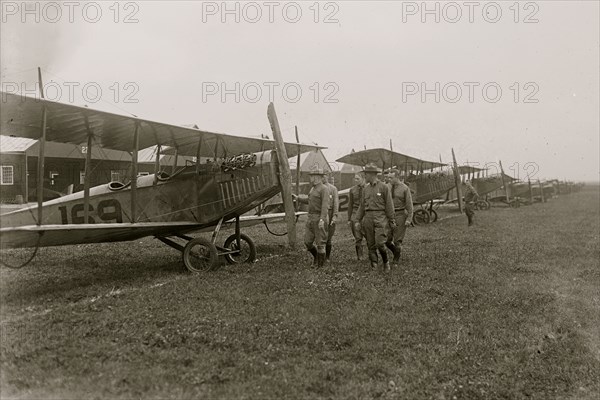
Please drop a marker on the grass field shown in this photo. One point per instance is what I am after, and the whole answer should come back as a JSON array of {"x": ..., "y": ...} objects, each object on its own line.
[{"x": 508, "y": 308}]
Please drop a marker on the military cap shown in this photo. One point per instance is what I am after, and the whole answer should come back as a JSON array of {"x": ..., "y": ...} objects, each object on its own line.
[
  {"x": 391, "y": 171},
  {"x": 315, "y": 170},
  {"x": 371, "y": 167}
]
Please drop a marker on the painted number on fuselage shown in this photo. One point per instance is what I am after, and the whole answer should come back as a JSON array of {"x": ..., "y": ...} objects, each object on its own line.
[
  {"x": 108, "y": 211},
  {"x": 344, "y": 199}
]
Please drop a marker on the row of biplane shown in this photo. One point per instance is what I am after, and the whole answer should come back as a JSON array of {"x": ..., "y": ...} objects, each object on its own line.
[
  {"x": 434, "y": 183},
  {"x": 230, "y": 178}
]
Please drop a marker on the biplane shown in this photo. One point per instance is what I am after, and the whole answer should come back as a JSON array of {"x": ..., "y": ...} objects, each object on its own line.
[
  {"x": 485, "y": 184},
  {"x": 530, "y": 192},
  {"x": 516, "y": 193},
  {"x": 426, "y": 187},
  {"x": 542, "y": 190},
  {"x": 230, "y": 177}
]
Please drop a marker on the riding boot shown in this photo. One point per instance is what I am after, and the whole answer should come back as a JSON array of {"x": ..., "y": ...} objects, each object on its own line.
[
  {"x": 384, "y": 258},
  {"x": 390, "y": 245},
  {"x": 320, "y": 260},
  {"x": 313, "y": 251},
  {"x": 395, "y": 250},
  {"x": 327, "y": 251},
  {"x": 373, "y": 259},
  {"x": 470, "y": 218},
  {"x": 359, "y": 252},
  {"x": 397, "y": 255},
  {"x": 386, "y": 267}
]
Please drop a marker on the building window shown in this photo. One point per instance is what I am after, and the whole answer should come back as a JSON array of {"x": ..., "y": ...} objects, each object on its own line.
[
  {"x": 81, "y": 177},
  {"x": 115, "y": 176},
  {"x": 6, "y": 175}
]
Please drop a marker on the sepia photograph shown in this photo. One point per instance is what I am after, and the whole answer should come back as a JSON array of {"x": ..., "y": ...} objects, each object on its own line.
[{"x": 300, "y": 199}]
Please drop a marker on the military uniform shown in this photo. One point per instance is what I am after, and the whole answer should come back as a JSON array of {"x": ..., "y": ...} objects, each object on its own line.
[
  {"x": 314, "y": 236},
  {"x": 376, "y": 211},
  {"x": 334, "y": 206},
  {"x": 354, "y": 198},
  {"x": 403, "y": 211},
  {"x": 471, "y": 197}
]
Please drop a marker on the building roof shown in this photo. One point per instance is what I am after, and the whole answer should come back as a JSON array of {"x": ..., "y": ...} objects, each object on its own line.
[
  {"x": 11, "y": 144},
  {"x": 310, "y": 159},
  {"x": 148, "y": 156},
  {"x": 30, "y": 147}
]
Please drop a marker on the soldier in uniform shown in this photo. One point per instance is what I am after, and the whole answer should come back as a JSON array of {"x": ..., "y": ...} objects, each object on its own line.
[
  {"x": 375, "y": 214},
  {"x": 403, "y": 212},
  {"x": 471, "y": 197},
  {"x": 334, "y": 206},
  {"x": 354, "y": 198},
  {"x": 315, "y": 233}
]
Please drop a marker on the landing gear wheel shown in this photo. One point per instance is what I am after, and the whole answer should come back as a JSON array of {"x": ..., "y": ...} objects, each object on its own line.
[
  {"x": 200, "y": 255},
  {"x": 421, "y": 217},
  {"x": 483, "y": 205},
  {"x": 433, "y": 216},
  {"x": 247, "y": 250}
]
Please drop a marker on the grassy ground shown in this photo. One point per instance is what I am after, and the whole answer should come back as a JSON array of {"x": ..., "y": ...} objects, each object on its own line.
[{"x": 505, "y": 309}]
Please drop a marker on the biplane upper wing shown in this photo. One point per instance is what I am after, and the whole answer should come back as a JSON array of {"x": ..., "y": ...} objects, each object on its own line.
[
  {"x": 468, "y": 169},
  {"x": 61, "y": 235},
  {"x": 66, "y": 123},
  {"x": 385, "y": 158}
]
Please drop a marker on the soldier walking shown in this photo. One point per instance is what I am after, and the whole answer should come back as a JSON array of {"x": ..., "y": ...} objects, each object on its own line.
[
  {"x": 376, "y": 214},
  {"x": 471, "y": 197},
  {"x": 334, "y": 206},
  {"x": 354, "y": 198},
  {"x": 315, "y": 233},
  {"x": 403, "y": 212}
]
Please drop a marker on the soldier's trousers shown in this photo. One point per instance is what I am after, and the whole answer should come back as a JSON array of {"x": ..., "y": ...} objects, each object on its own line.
[
  {"x": 330, "y": 228},
  {"x": 396, "y": 235},
  {"x": 313, "y": 235},
  {"x": 469, "y": 206},
  {"x": 358, "y": 233},
  {"x": 375, "y": 228}
]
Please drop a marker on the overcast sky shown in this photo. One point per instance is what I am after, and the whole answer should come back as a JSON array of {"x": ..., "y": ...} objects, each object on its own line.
[{"x": 361, "y": 68}]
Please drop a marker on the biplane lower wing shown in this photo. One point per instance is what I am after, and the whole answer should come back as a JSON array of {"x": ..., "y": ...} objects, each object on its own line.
[
  {"x": 251, "y": 220},
  {"x": 60, "y": 235}
]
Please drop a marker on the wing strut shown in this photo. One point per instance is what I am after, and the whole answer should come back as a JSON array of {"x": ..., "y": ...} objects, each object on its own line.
[
  {"x": 157, "y": 163},
  {"x": 134, "y": 171},
  {"x": 87, "y": 173},
  {"x": 41, "y": 172},
  {"x": 504, "y": 183},
  {"x": 216, "y": 149},
  {"x": 175, "y": 159},
  {"x": 198, "y": 150},
  {"x": 297, "y": 169},
  {"x": 458, "y": 183}
]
